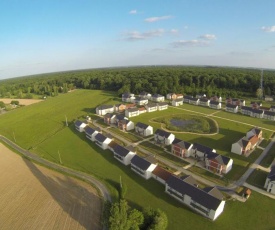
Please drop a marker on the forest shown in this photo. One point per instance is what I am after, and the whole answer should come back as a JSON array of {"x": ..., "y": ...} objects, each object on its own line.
[{"x": 191, "y": 80}]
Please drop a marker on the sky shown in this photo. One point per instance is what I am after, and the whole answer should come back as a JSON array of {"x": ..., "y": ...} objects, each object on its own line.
[{"x": 41, "y": 36}]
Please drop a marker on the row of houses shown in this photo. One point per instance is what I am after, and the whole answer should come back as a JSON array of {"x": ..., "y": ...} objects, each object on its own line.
[
  {"x": 208, "y": 202},
  {"x": 246, "y": 144},
  {"x": 270, "y": 181},
  {"x": 142, "y": 99}
]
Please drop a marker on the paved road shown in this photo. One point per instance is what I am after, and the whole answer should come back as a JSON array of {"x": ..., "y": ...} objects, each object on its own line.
[{"x": 100, "y": 186}]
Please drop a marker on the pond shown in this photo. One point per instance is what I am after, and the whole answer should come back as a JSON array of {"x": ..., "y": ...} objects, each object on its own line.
[{"x": 182, "y": 123}]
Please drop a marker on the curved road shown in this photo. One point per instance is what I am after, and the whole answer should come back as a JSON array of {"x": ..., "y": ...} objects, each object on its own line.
[{"x": 101, "y": 187}]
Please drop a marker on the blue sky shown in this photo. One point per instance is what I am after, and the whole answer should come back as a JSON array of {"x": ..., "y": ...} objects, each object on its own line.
[{"x": 41, "y": 36}]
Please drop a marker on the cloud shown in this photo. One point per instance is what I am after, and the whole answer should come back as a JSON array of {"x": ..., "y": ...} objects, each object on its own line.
[
  {"x": 133, "y": 12},
  {"x": 174, "y": 31},
  {"x": 268, "y": 28},
  {"x": 155, "y": 19},
  {"x": 208, "y": 37},
  {"x": 188, "y": 43},
  {"x": 135, "y": 35}
]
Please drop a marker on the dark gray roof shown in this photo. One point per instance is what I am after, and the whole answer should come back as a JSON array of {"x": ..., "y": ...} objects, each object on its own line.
[
  {"x": 162, "y": 103},
  {"x": 109, "y": 115},
  {"x": 214, "y": 102},
  {"x": 190, "y": 180},
  {"x": 124, "y": 121},
  {"x": 100, "y": 137},
  {"x": 151, "y": 105},
  {"x": 120, "y": 117},
  {"x": 220, "y": 158},
  {"x": 78, "y": 123},
  {"x": 162, "y": 133},
  {"x": 143, "y": 93},
  {"x": 258, "y": 111},
  {"x": 244, "y": 142},
  {"x": 204, "y": 99},
  {"x": 89, "y": 130},
  {"x": 235, "y": 99},
  {"x": 102, "y": 107},
  {"x": 140, "y": 162},
  {"x": 231, "y": 106},
  {"x": 157, "y": 95},
  {"x": 193, "y": 99},
  {"x": 176, "y": 140},
  {"x": 187, "y": 97},
  {"x": 200, "y": 196},
  {"x": 142, "y": 125},
  {"x": 202, "y": 148},
  {"x": 126, "y": 94},
  {"x": 184, "y": 144},
  {"x": 214, "y": 192},
  {"x": 140, "y": 99},
  {"x": 118, "y": 149},
  {"x": 132, "y": 110},
  {"x": 270, "y": 113},
  {"x": 247, "y": 108},
  {"x": 271, "y": 175}
]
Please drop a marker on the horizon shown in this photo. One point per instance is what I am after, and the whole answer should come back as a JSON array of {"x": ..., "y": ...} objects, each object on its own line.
[{"x": 53, "y": 36}]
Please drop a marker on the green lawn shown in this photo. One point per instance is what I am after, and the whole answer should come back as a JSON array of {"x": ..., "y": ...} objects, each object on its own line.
[
  {"x": 41, "y": 127},
  {"x": 257, "y": 178},
  {"x": 269, "y": 158}
]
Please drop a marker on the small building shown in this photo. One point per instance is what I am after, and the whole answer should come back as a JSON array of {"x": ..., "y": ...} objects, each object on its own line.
[
  {"x": 157, "y": 98},
  {"x": 128, "y": 97},
  {"x": 246, "y": 110},
  {"x": 102, "y": 141},
  {"x": 110, "y": 118},
  {"x": 181, "y": 149},
  {"x": 151, "y": 107},
  {"x": 231, "y": 108},
  {"x": 204, "y": 102},
  {"x": 215, "y": 104},
  {"x": 162, "y": 105},
  {"x": 119, "y": 108},
  {"x": 80, "y": 125},
  {"x": 207, "y": 202},
  {"x": 270, "y": 181},
  {"x": 142, "y": 167},
  {"x": 218, "y": 163},
  {"x": 257, "y": 113},
  {"x": 103, "y": 109},
  {"x": 255, "y": 104},
  {"x": 200, "y": 95},
  {"x": 90, "y": 133},
  {"x": 268, "y": 98},
  {"x": 141, "y": 101},
  {"x": 194, "y": 101},
  {"x": 200, "y": 151},
  {"x": 161, "y": 175},
  {"x": 125, "y": 125},
  {"x": 177, "y": 102},
  {"x": 145, "y": 95},
  {"x": 163, "y": 137},
  {"x": 269, "y": 115},
  {"x": 132, "y": 112},
  {"x": 123, "y": 154},
  {"x": 143, "y": 129},
  {"x": 241, "y": 147},
  {"x": 216, "y": 98},
  {"x": 187, "y": 98}
]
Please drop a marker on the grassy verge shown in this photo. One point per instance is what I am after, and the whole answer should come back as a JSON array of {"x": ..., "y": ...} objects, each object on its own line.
[
  {"x": 269, "y": 158},
  {"x": 257, "y": 178}
]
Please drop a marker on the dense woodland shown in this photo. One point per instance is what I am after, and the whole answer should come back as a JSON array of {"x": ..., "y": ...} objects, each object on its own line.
[{"x": 225, "y": 82}]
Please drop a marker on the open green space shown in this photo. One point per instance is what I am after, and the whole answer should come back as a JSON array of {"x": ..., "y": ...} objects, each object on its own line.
[
  {"x": 257, "y": 178},
  {"x": 269, "y": 158},
  {"x": 42, "y": 128},
  {"x": 130, "y": 136}
]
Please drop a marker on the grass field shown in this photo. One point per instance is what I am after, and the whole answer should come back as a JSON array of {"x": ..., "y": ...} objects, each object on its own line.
[{"x": 48, "y": 135}]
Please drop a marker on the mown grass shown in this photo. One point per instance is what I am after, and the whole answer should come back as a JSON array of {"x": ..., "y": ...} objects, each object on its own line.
[
  {"x": 257, "y": 178},
  {"x": 78, "y": 152},
  {"x": 130, "y": 136},
  {"x": 269, "y": 158}
]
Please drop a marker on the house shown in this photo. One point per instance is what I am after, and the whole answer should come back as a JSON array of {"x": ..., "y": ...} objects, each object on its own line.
[
  {"x": 132, "y": 112},
  {"x": 125, "y": 125},
  {"x": 246, "y": 110},
  {"x": 110, "y": 118},
  {"x": 218, "y": 163},
  {"x": 272, "y": 108},
  {"x": 174, "y": 96},
  {"x": 194, "y": 101},
  {"x": 204, "y": 102},
  {"x": 151, "y": 107},
  {"x": 231, "y": 108},
  {"x": 270, "y": 181},
  {"x": 90, "y": 133},
  {"x": 207, "y": 202},
  {"x": 119, "y": 108},
  {"x": 254, "y": 131},
  {"x": 215, "y": 104},
  {"x": 103, "y": 109},
  {"x": 200, "y": 96},
  {"x": 162, "y": 105},
  {"x": 128, "y": 97},
  {"x": 181, "y": 149},
  {"x": 141, "y": 101},
  {"x": 123, "y": 154},
  {"x": 268, "y": 98},
  {"x": 142, "y": 110},
  {"x": 143, "y": 129},
  {"x": 80, "y": 125},
  {"x": 160, "y": 174},
  {"x": 269, "y": 115},
  {"x": 142, "y": 167},
  {"x": 241, "y": 147},
  {"x": 200, "y": 151},
  {"x": 163, "y": 137},
  {"x": 145, "y": 95},
  {"x": 129, "y": 106},
  {"x": 187, "y": 98},
  {"x": 254, "y": 140},
  {"x": 102, "y": 141},
  {"x": 112, "y": 145},
  {"x": 257, "y": 113},
  {"x": 216, "y": 98},
  {"x": 157, "y": 98},
  {"x": 177, "y": 102},
  {"x": 255, "y": 104}
]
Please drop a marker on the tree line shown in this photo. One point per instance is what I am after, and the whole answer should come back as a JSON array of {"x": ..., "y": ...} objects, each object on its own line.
[{"x": 225, "y": 82}]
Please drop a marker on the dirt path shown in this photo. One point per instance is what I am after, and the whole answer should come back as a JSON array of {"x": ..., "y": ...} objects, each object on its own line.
[
  {"x": 34, "y": 197},
  {"x": 21, "y": 101}
]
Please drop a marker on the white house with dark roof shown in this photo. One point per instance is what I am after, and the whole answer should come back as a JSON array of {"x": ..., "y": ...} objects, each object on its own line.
[
  {"x": 151, "y": 107},
  {"x": 110, "y": 118},
  {"x": 141, "y": 101},
  {"x": 231, "y": 108},
  {"x": 145, "y": 95},
  {"x": 241, "y": 147},
  {"x": 103, "y": 109},
  {"x": 269, "y": 115},
  {"x": 143, "y": 129},
  {"x": 125, "y": 125},
  {"x": 194, "y": 101},
  {"x": 157, "y": 98},
  {"x": 270, "y": 181},
  {"x": 207, "y": 202},
  {"x": 218, "y": 163},
  {"x": 246, "y": 110},
  {"x": 132, "y": 112},
  {"x": 177, "y": 102},
  {"x": 181, "y": 149},
  {"x": 200, "y": 151},
  {"x": 215, "y": 104},
  {"x": 163, "y": 137},
  {"x": 128, "y": 97},
  {"x": 204, "y": 102},
  {"x": 123, "y": 154},
  {"x": 142, "y": 167},
  {"x": 90, "y": 133},
  {"x": 216, "y": 98},
  {"x": 161, "y": 175},
  {"x": 162, "y": 106},
  {"x": 187, "y": 98},
  {"x": 80, "y": 125},
  {"x": 102, "y": 141},
  {"x": 257, "y": 113},
  {"x": 255, "y": 132},
  {"x": 272, "y": 108}
]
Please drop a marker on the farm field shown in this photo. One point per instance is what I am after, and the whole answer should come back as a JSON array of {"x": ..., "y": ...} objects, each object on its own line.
[
  {"x": 33, "y": 197},
  {"x": 78, "y": 152},
  {"x": 21, "y": 101}
]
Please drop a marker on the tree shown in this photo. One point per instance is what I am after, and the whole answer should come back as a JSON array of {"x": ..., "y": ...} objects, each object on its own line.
[
  {"x": 154, "y": 219},
  {"x": 14, "y": 102},
  {"x": 259, "y": 93}
]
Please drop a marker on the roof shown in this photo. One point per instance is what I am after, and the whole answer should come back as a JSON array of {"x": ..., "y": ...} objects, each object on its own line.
[
  {"x": 214, "y": 102},
  {"x": 89, "y": 130},
  {"x": 120, "y": 117},
  {"x": 100, "y": 137},
  {"x": 204, "y": 99},
  {"x": 223, "y": 160},
  {"x": 178, "y": 100},
  {"x": 202, "y": 148},
  {"x": 157, "y": 95},
  {"x": 214, "y": 192},
  {"x": 271, "y": 175},
  {"x": 161, "y": 173},
  {"x": 193, "y": 99},
  {"x": 124, "y": 121},
  {"x": 190, "y": 180},
  {"x": 120, "y": 150},
  {"x": 112, "y": 144},
  {"x": 109, "y": 115},
  {"x": 132, "y": 110},
  {"x": 187, "y": 97},
  {"x": 151, "y": 105},
  {"x": 144, "y": 93},
  {"x": 270, "y": 113},
  {"x": 176, "y": 140},
  {"x": 258, "y": 111},
  {"x": 78, "y": 123},
  {"x": 247, "y": 108},
  {"x": 162, "y": 133},
  {"x": 142, "y": 125},
  {"x": 127, "y": 94},
  {"x": 140, "y": 162},
  {"x": 243, "y": 143},
  {"x": 200, "y": 196},
  {"x": 141, "y": 99},
  {"x": 162, "y": 103},
  {"x": 102, "y": 107},
  {"x": 254, "y": 140},
  {"x": 231, "y": 106},
  {"x": 183, "y": 144}
]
